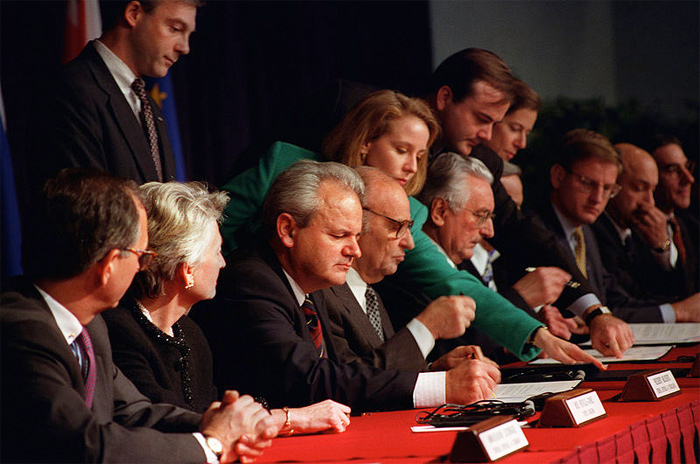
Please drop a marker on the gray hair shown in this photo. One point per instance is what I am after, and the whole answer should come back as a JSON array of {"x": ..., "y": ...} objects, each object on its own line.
[
  {"x": 179, "y": 215},
  {"x": 447, "y": 176},
  {"x": 295, "y": 191}
]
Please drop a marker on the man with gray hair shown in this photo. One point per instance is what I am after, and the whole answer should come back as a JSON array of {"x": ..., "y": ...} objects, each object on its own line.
[{"x": 271, "y": 315}]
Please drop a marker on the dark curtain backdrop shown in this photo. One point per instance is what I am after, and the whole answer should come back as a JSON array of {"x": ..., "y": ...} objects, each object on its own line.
[{"x": 251, "y": 63}]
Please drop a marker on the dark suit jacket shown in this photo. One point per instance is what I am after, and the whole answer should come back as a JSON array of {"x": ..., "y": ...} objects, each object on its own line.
[
  {"x": 634, "y": 266},
  {"x": 261, "y": 345},
  {"x": 44, "y": 414},
  {"x": 85, "y": 121},
  {"x": 524, "y": 242},
  {"x": 175, "y": 370},
  {"x": 356, "y": 340},
  {"x": 623, "y": 305}
]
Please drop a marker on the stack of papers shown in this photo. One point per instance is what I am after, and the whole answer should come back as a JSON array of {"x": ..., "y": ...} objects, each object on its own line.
[{"x": 636, "y": 353}]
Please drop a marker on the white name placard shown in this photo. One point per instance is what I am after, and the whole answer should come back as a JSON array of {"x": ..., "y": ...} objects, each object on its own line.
[
  {"x": 585, "y": 407},
  {"x": 663, "y": 383},
  {"x": 503, "y": 440}
]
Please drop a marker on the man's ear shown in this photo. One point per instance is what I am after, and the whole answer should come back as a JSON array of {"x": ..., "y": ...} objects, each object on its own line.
[
  {"x": 132, "y": 13},
  {"x": 556, "y": 175},
  {"x": 443, "y": 97},
  {"x": 106, "y": 266},
  {"x": 438, "y": 211},
  {"x": 287, "y": 228}
]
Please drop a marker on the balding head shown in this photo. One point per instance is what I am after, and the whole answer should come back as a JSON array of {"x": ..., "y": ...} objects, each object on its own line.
[
  {"x": 638, "y": 180},
  {"x": 384, "y": 239}
]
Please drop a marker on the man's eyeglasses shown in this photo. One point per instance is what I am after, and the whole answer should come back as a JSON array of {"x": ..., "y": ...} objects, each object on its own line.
[
  {"x": 145, "y": 257},
  {"x": 674, "y": 169},
  {"x": 402, "y": 226},
  {"x": 589, "y": 185},
  {"x": 482, "y": 217}
]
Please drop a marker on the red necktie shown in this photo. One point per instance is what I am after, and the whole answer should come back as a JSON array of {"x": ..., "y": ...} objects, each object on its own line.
[
  {"x": 678, "y": 239},
  {"x": 313, "y": 323},
  {"x": 88, "y": 366}
]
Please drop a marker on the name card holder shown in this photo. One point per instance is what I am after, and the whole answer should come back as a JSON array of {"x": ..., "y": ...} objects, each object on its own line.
[
  {"x": 573, "y": 408},
  {"x": 652, "y": 385},
  {"x": 489, "y": 440}
]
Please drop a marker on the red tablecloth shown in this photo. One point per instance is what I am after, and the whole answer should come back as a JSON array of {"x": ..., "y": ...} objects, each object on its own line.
[{"x": 650, "y": 431}]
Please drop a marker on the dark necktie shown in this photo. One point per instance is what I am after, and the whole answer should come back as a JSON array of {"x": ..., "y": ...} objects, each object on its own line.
[
  {"x": 313, "y": 323},
  {"x": 82, "y": 348},
  {"x": 678, "y": 239},
  {"x": 149, "y": 124},
  {"x": 373, "y": 311}
]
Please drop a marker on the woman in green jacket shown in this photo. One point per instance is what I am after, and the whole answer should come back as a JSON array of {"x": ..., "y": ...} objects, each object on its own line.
[{"x": 393, "y": 132}]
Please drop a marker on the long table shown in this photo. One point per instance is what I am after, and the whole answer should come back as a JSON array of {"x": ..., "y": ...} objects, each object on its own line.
[{"x": 661, "y": 431}]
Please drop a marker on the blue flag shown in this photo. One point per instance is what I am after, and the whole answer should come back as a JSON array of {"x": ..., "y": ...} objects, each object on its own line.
[
  {"x": 162, "y": 92},
  {"x": 11, "y": 230}
]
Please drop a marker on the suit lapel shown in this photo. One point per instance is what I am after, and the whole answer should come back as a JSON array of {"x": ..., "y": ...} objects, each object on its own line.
[{"x": 124, "y": 117}]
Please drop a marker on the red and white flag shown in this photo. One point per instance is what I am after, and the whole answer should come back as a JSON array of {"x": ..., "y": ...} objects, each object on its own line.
[{"x": 83, "y": 23}]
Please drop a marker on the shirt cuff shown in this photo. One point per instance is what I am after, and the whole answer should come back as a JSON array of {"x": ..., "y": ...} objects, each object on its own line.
[
  {"x": 422, "y": 335},
  {"x": 429, "y": 391},
  {"x": 667, "y": 313},
  {"x": 580, "y": 306},
  {"x": 211, "y": 457}
]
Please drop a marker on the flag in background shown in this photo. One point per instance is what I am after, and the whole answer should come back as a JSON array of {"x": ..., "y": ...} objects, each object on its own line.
[
  {"x": 161, "y": 91},
  {"x": 11, "y": 230},
  {"x": 83, "y": 23}
]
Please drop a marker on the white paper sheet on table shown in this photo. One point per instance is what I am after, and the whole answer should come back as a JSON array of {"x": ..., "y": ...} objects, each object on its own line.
[
  {"x": 636, "y": 353},
  {"x": 655, "y": 334}
]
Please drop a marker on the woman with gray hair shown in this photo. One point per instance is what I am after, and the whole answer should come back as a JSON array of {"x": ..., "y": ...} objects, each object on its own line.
[{"x": 162, "y": 351}]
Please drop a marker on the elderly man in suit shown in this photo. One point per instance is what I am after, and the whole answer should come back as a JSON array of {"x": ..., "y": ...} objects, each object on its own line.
[
  {"x": 96, "y": 113},
  {"x": 362, "y": 330},
  {"x": 272, "y": 316},
  {"x": 63, "y": 400},
  {"x": 583, "y": 180}
]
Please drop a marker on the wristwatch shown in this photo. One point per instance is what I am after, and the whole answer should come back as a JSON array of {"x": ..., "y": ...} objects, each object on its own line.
[
  {"x": 597, "y": 312},
  {"x": 215, "y": 446}
]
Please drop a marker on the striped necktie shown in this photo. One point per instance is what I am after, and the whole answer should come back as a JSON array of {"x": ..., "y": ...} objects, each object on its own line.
[
  {"x": 313, "y": 323},
  {"x": 83, "y": 350}
]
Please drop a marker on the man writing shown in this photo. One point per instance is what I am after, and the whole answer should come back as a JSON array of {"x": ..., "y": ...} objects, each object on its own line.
[
  {"x": 271, "y": 313},
  {"x": 63, "y": 400}
]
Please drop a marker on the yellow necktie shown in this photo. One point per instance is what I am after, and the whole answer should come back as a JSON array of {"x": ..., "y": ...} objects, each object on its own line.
[{"x": 580, "y": 251}]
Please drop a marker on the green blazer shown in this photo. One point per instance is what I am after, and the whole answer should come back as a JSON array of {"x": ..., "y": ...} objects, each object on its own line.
[{"x": 424, "y": 265}]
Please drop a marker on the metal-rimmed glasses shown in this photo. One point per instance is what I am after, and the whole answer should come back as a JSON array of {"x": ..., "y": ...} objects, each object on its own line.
[
  {"x": 675, "y": 169},
  {"x": 145, "y": 257},
  {"x": 401, "y": 226},
  {"x": 482, "y": 217},
  {"x": 589, "y": 186}
]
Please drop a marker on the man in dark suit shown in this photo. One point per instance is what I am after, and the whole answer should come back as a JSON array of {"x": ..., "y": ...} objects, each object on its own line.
[
  {"x": 63, "y": 400},
  {"x": 361, "y": 328},
  {"x": 633, "y": 234},
  {"x": 583, "y": 180},
  {"x": 92, "y": 116},
  {"x": 673, "y": 198},
  {"x": 272, "y": 316}
]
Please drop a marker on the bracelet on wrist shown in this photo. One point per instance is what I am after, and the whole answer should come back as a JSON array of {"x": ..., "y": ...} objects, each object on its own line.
[{"x": 287, "y": 423}]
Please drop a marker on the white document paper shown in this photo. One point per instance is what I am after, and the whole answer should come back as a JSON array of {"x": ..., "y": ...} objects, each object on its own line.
[
  {"x": 636, "y": 353},
  {"x": 519, "y": 392},
  {"x": 655, "y": 334}
]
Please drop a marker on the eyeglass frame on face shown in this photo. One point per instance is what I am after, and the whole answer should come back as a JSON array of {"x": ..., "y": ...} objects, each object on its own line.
[
  {"x": 482, "y": 217},
  {"x": 674, "y": 169},
  {"x": 403, "y": 226},
  {"x": 145, "y": 257},
  {"x": 588, "y": 184}
]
